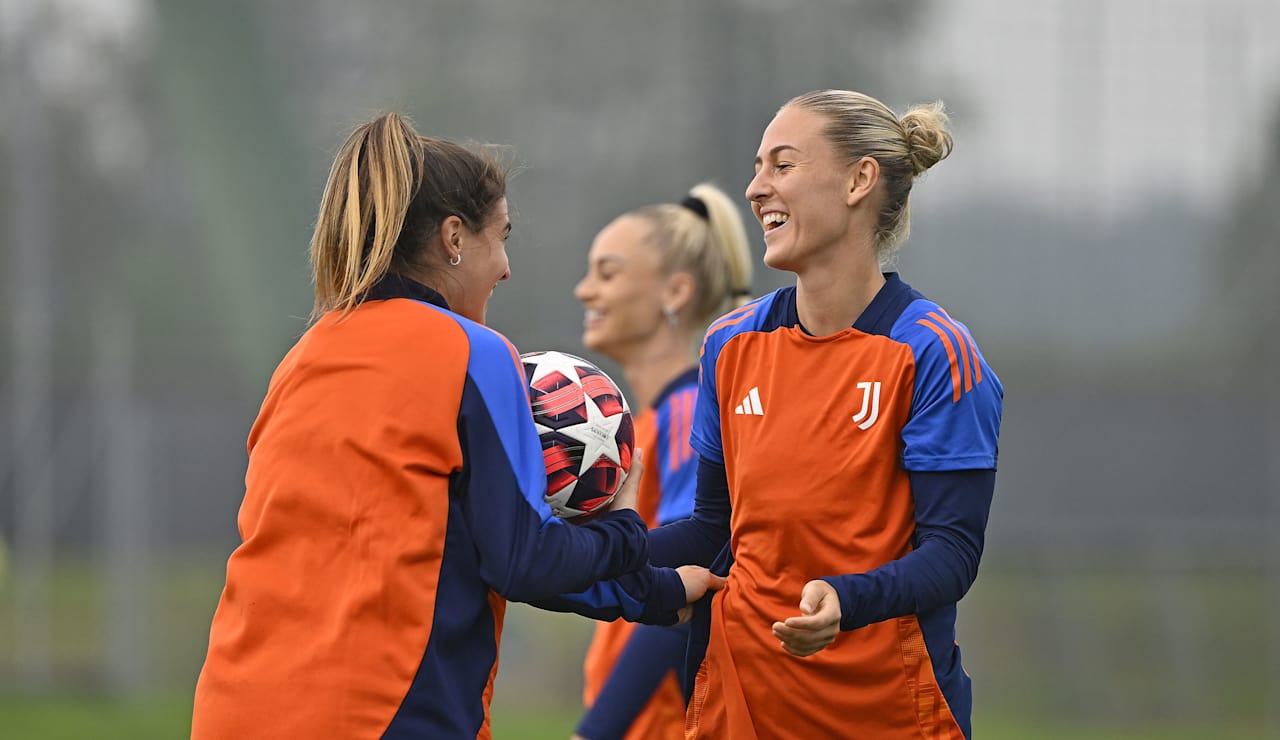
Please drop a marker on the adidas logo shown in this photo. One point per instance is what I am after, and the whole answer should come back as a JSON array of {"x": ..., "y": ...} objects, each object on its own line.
[{"x": 751, "y": 404}]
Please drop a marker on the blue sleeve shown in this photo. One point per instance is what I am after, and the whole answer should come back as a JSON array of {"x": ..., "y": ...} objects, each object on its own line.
[
  {"x": 524, "y": 552},
  {"x": 956, "y": 400},
  {"x": 951, "y": 519},
  {"x": 654, "y": 595},
  {"x": 650, "y": 654},
  {"x": 701, "y": 538},
  {"x": 705, "y": 434},
  {"x": 677, "y": 463},
  {"x": 649, "y": 596}
]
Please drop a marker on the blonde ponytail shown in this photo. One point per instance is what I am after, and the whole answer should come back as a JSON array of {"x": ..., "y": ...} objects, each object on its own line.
[
  {"x": 704, "y": 237},
  {"x": 728, "y": 287}
]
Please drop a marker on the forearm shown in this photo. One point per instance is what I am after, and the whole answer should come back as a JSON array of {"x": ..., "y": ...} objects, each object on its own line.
[
  {"x": 952, "y": 511},
  {"x": 650, "y": 596},
  {"x": 700, "y": 538}
]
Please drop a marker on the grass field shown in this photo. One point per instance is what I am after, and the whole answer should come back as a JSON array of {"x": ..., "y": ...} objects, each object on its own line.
[
  {"x": 1034, "y": 680},
  {"x": 168, "y": 718}
]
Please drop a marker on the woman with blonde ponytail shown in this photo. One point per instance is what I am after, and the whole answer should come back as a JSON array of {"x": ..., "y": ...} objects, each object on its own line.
[
  {"x": 656, "y": 277},
  {"x": 846, "y": 429},
  {"x": 395, "y": 490}
]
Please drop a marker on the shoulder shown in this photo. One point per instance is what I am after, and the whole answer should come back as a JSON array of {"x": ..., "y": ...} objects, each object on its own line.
[
  {"x": 929, "y": 329},
  {"x": 485, "y": 346},
  {"x": 762, "y": 314},
  {"x": 944, "y": 350},
  {"x": 678, "y": 393}
]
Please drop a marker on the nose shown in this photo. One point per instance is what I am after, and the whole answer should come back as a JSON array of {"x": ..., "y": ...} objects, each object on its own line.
[
  {"x": 758, "y": 187},
  {"x": 581, "y": 291}
]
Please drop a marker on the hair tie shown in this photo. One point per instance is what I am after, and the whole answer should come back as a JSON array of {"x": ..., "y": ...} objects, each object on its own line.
[
  {"x": 696, "y": 204},
  {"x": 740, "y": 293}
]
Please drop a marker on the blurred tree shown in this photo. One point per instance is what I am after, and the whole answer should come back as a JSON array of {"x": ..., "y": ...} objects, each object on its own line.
[
  {"x": 239, "y": 163},
  {"x": 1250, "y": 248}
]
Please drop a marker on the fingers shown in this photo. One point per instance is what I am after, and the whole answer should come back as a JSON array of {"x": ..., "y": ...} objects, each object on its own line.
[
  {"x": 629, "y": 493},
  {"x": 818, "y": 623},
  {"x": 636, "y": 470},
  {"x": 803, "y": 642},
  {"x": 698, "y": 581}
]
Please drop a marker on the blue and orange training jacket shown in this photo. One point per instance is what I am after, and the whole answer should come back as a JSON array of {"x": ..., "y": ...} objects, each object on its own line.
[{"x": 393, "y": 501}]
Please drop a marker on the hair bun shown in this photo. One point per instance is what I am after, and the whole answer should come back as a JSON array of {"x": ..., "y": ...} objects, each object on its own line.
[{"x": 928, "y": 135}]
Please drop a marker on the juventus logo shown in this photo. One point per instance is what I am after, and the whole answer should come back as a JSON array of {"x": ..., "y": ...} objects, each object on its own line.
[{"x": 870, "y": 410}]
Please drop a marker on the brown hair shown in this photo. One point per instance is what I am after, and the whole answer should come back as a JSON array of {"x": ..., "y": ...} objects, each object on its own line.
[
  {"x": 861, "y": 126},
  {"x": 388, "y": 191}
]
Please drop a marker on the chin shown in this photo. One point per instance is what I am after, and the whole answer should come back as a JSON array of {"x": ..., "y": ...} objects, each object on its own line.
[
  {"x": 777, "y": 259},
  {"x": 594, "y": 341}
]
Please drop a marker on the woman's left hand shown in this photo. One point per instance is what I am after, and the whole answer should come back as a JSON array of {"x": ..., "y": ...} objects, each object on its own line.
[{"x": 817, "y": 625}]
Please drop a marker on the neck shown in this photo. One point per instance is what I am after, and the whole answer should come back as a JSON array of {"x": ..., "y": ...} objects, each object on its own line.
[
  {"x": 650, "y": 366},
  {"x": 431, "y": 281},
  {"x": 830, "y": 298}
]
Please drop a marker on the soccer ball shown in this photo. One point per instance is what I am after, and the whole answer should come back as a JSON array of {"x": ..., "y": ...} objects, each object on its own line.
[{"x": 586, "y": 431}]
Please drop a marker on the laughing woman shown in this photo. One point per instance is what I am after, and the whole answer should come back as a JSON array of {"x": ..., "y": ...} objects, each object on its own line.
[{"x": 847, "y": 430}]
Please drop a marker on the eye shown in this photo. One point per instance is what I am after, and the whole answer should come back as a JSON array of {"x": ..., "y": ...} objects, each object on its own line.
[{"x": 779, "y": 167}]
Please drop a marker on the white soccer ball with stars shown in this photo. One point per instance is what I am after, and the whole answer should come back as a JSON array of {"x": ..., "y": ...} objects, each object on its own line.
[{"x": 586, "y": 430}]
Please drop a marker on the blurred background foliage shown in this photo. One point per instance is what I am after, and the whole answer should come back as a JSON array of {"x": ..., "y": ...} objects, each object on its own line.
[{"x": 1107, "y": 227}]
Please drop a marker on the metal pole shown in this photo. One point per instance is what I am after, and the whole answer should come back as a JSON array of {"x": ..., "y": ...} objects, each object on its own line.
[
  {"x": 1271, "y": 479},
  {"x": 122, "y": 487},
  {"x": 31, "y": 217}
]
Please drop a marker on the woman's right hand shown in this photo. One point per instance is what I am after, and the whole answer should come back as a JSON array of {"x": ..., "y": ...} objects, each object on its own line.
[
  {"x": 629, "y": 494},
  {"x": 697, "y": 582}
]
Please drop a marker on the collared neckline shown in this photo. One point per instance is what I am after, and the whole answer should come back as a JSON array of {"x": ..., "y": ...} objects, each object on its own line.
[{"x": 395, "y": 285}]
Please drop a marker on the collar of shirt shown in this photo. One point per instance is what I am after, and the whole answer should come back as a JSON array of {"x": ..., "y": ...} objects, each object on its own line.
[{"x": 395, "y": 285}]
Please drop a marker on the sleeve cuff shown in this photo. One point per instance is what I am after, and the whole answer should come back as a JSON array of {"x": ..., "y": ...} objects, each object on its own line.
[
  {"x": 845, "y": 591},
  {"x": 666, "y": 597}
]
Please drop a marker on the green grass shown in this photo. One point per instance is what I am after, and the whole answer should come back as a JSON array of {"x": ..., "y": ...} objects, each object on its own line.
[
  {"x": 80, "y": 718},
  {"x": 165, "y": 718},
  {"x": 1044, "y": 650}
]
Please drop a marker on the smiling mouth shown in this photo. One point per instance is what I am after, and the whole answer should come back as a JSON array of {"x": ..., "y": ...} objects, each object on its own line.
[{"x": 774, "y": 220}]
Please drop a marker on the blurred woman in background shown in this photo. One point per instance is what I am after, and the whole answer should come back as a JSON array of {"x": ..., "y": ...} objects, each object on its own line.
[
  {"x": 655, "y": 278},
  {"x": 394, "y": 495}
]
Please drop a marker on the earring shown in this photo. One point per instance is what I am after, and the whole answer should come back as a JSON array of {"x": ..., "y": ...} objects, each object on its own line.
[
  {"x": 672, "y": 319},
  {"x": 456, "y": 259}
]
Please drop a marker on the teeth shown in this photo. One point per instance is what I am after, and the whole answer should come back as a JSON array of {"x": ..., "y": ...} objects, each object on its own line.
[{"x": 774, "y": 218}]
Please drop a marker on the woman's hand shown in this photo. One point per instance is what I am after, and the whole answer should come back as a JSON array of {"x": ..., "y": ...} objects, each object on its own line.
[
  {"x": 817, "y": 625},
  {"x": 697, "y": 582},
  {"x": 629, "y": 494}
]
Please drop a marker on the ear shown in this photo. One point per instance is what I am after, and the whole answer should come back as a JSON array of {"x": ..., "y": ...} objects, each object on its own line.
[
  {"x": 862, "y": 179},
  {"x": 678, "y": 291},
  {"x": 451, "y": 236}
]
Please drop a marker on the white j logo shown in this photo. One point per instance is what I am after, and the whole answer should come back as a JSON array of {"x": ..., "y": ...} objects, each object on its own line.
[{"x": 870, "y": 405}]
